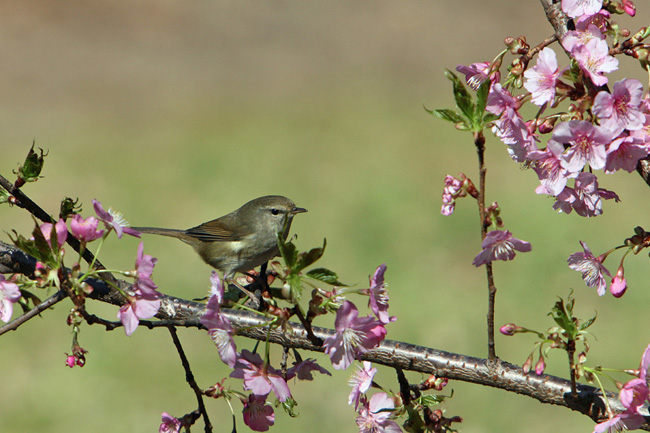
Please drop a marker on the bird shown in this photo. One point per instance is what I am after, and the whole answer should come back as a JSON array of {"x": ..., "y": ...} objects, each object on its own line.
[{"x": 241, "y": 240}]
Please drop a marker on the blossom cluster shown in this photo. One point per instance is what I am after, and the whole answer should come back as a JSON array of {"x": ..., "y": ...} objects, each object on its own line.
[
  {"x": 47, "y": 243},
  {"x": 603, "y": 129},
  {"x": 353, "y": 336}
]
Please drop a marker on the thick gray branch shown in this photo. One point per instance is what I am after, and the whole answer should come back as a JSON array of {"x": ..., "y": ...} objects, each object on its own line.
[{"x": 396, "y": 354}]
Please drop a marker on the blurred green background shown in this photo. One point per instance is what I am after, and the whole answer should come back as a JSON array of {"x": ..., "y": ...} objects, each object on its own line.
[{"x": 178, "y": 112}]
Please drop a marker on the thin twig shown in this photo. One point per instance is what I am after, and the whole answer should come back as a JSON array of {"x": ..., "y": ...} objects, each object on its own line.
[
  {"x": 189, "y": 377},
  {"x": 479, "y": 142},
  {"x": 52, "y": 300}
]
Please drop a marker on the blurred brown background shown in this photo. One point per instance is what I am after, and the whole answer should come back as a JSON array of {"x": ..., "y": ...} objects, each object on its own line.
[{"x": 177, "y": 112}]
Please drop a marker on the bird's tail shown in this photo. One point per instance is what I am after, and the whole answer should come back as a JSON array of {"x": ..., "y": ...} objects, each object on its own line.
[{"x": 173, "y": 233}]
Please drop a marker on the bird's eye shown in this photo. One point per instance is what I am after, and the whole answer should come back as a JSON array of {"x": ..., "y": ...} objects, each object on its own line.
[{"x": 275, "y": 211}]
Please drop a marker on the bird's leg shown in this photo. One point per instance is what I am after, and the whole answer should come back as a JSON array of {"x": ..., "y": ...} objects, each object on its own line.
[
  {"x": 261, "y": 284},
  {"x": 254, "y": 299}
]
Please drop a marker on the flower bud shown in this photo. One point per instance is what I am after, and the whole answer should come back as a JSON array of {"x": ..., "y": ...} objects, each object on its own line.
[
  {"x": 508, "y": 329},
  {"x": 540, "y": 366},
  {"x": 529, "y": 362}
]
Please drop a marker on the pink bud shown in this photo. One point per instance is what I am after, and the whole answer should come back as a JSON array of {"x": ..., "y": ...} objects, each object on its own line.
[
  {"x": 70, "y": 361},
  {"x": 540, "y": 366},
  {"x": 619, "y": 284},
  {"x": 529, "y": 362},
  {"x": 508, "y": 329}
]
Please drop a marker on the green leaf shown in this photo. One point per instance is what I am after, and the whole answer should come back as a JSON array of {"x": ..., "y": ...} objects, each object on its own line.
[
  {"x": 431, "y": 399},
  {"x": 31, "y": 169},
  {"x": 287, "y": 251},
  {"x": 308, "y": 258},
  {"x": 325, "y": 276},
  {"x": 4, "y": 195},
  {"x": 446, "y": 114},
  {"x": 586, "y": 324},
  {"x": 564, "y": 319},
  {"x": 69, "y": 207},
  {"x": 295, "y": 282},
  {"x": 462, "y": 96},
  {"x": 481, "y": 102},
  {"x": 490, "y": 117}
]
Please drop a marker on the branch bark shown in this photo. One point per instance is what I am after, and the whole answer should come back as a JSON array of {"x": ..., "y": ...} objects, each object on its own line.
[{"x": 396, "y": 354}]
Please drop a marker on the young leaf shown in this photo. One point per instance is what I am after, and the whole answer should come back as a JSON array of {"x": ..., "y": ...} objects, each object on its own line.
[
  {"x": 462, "y": 96},
  {"x": 325, "y": 276},
  {"x": 481, "y": 102},
  {"x": 588, "y": 323},
  {"x": 446, "y": 114},
  {"x": 307, "y": 258},
  {"x": 31, "y": 169},
  {"x": 287, "y": 251}
]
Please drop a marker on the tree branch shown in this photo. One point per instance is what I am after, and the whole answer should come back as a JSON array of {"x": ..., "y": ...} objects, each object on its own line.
[{"x": 396, "y": 354}]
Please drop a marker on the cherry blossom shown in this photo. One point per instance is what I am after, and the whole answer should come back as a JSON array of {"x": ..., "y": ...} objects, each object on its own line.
[
  {"x": 542, "y": 78},
  {"x": 591, "y": 267},
  {"x": 500, "y": 245},
  {"x": 354, "y": 335}
]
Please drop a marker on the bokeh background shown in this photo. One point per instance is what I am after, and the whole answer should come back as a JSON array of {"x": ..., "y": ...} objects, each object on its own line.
[{"x": 178, "y": 112}]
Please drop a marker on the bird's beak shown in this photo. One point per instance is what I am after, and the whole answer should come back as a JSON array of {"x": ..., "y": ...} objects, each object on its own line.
[{"x": 297, "y": 210}]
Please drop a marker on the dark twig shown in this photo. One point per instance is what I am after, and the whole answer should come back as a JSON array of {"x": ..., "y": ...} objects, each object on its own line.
[
  {"x": 52, "y": 300},
  {"x": 310, "y": 334},
  {"x": 479, "y": 142},
  {"x": 189, "y": 377}
]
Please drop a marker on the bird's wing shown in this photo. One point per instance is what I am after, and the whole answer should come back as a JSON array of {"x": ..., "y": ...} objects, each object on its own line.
[{"x": 219, "y": 230}]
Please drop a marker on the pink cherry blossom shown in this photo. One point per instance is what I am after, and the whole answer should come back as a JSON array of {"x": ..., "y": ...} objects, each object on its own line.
[
  {"x": 61, "y": 232},
  {"x": 510, "y": 128},
  {"x": 303, "y": 370},
  {"x": 114, "y": 220},
  {"x": 258, "y": 414},
  {"x": 628, "y": 420},
  {"x": 581, "y": 36},
  {"x": 144, "y": 264},
  {"x": 85, "y": 229},
  {"x": 354, "y": 335},
  {"x": 542, "y": 78},
  {"x": 145, "y": 301},
  {"x": 600, "y": 20},
  {"x": 143, "y": 305},
  {"x": 624, "y": 153},
  {"x": 259, "y": 377},
  {"x": 217, "y": 287},
  {"x": 378, "y": 301},
  {"x": 576, "y": 8},
  {"x": 594, "y": 59},
  {"x": 220, "y": 329},
  {"x": 169, "y": 424},
  {"x": 476, "y": 74},
  {"x": 635, "y": 393},
  {"x": 361, "y": 381},
  {"x": 592, "y": 268},
  {"x": 374, "y": 415},
  {"x": 588, "y": 196},
  {"x": 9, "y": 295},
  {"x": 620, "y": 109},
  {"x": 500, "y": 245},
  {"x": 587, "y": 144},
  {"x": 548, "y": 166}
]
